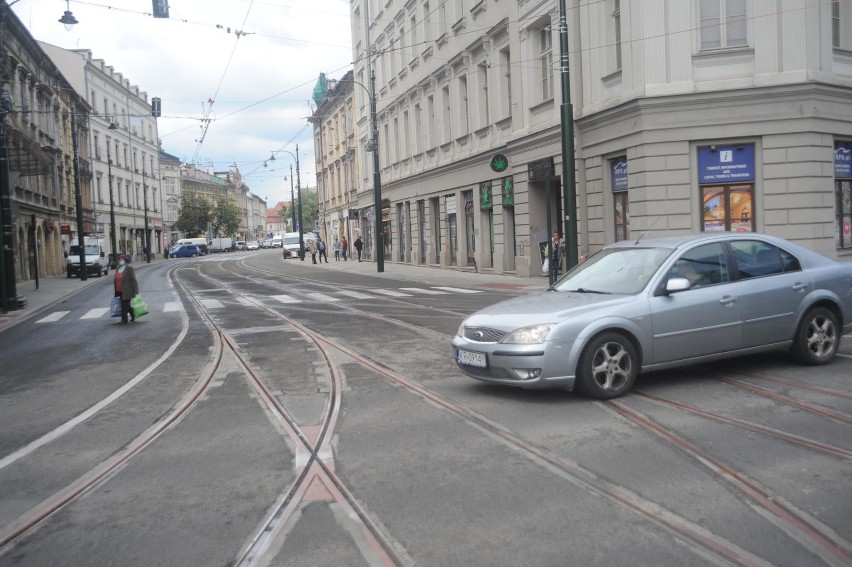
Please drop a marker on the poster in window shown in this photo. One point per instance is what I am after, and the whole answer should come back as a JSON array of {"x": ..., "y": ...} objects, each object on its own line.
[
  {"x": 714, "y": 209},
  {"x": 742, "y": 219}
]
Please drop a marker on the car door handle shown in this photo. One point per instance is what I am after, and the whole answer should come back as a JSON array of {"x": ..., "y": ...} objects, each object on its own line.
[
  {"x": 799, "y": 286},
  {"x": 727, "y": 300}
]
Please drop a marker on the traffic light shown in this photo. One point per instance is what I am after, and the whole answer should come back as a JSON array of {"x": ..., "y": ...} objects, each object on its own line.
[
  {"x": 155, "y": 107},
  {"x": 161, "y": 8}
]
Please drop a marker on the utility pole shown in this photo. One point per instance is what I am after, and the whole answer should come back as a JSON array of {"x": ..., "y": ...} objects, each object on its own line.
[
  {"x": 78, "y": 197},
  {"x": 569, "y": 183}
]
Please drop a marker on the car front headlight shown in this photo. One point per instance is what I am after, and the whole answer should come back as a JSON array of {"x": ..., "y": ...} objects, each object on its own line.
[
  {"x": 460, "y": 332},
  {"x": 528, "y": 335}
]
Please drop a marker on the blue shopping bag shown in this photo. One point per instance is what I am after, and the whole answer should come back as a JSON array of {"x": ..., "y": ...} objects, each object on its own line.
[{"x": 115, "y": 307}]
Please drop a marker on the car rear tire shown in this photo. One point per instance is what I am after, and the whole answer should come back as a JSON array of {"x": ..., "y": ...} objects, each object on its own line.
[
  {"x": 608, "y": 367},
  {"x": 194, "y": 255},
  {"x": 817, "y": 337}
]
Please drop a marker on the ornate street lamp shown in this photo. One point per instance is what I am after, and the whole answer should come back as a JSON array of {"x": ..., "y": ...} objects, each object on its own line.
[{"x": 68, "y": 20}]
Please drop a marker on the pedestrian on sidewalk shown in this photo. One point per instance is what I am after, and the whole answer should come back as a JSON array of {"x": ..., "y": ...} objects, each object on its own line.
[
  {"x": 344, "y": 247},
  {"x": 358, "y": 246},
  {"x": 314, "y": 251},
  {"x": 322, "y": 251},
  {"x": 126, "y": 286},
  {"x": 337, "y": 250}
]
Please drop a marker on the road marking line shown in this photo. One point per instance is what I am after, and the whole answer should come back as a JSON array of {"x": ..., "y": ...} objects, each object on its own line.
[
  {"x": 53, "y": 317},
  {"x": 286, "y": 299},
  {"x": 323, "y": 297},
  {"x": 458, "y": 289},
  {"x": 212, "y": 303},
  {"x": 95, "y": 313},
  {"x": 246, "y": 301},
  {"x": 391, "y": 293},
  {"x": 355, "y": 294},
  {"x": 172, "y": 306},
  {"x": 421, "y": 290}
]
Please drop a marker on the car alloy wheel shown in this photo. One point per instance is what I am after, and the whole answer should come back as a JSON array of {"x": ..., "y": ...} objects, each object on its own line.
[
  {"x": 608, "y": 366},
  {"x": 816, "y": 339}
]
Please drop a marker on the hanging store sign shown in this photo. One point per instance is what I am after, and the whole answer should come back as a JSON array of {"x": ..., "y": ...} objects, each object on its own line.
[
  {"x": 540, "y": 170},
  {"x": 499, "y": 163},
  {"x": 842, "y": 160},
  {"x": 485, "y": 201},
  {"x": 508, "y": 192},
  {"x": 726, "y": 164},
  {"x": 619, "y": 174}
]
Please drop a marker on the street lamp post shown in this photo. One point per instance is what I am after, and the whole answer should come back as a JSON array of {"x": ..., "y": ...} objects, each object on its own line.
[
  {"x": 146, "y": 235},
  {"x": 377, "y": 177},
  {"x": 112, "y": 243},
  {"x": 292, "y": 199},
  {"x": 299, "y": 190},
  {"x": 7, "y": 258},
  {"x": 78, "y": 197}
]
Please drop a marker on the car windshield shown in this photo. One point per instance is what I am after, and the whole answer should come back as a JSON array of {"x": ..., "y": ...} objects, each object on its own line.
[
  {"x": 91, "y": 250},
  {"x": 291, "y": 240},
  {"x": 621, "y": 271}
]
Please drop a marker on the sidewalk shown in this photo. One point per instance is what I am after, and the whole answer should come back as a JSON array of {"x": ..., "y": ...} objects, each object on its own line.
[{"x": 55, "y": 289}]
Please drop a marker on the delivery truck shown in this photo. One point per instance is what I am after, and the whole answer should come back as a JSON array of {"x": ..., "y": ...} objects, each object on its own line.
[
  {"x": 95, "y": 257},
  {"x": 222, "y": 244}
]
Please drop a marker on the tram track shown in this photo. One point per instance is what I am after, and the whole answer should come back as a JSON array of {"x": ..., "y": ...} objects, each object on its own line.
[{"x": 815, "y": 536}]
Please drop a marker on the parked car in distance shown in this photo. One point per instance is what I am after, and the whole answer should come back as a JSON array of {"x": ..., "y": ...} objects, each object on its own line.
[
  {"x": 222, "y": 244},
  {"x": 266, "y": 243},
  {"x": 648, "y": 304},
  {"x": 184, "y": 251},
  {"x": 253, "y": 245},
  {"x": 203, "y": 246},
  {"x": 240, "y": 245}
]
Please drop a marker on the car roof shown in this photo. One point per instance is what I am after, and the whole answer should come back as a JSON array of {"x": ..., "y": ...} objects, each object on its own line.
[{"x": 673, "y": 242}]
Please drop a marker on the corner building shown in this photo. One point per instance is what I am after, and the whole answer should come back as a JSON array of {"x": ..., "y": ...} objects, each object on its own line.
[{"x": 696, "y": 115}]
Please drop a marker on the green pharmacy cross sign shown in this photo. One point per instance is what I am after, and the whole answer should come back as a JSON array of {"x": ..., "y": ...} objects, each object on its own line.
[{"x": 499, "y": 163}]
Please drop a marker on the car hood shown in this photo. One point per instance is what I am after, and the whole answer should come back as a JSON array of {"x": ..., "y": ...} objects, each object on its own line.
[{"x": 547, "y": 307}]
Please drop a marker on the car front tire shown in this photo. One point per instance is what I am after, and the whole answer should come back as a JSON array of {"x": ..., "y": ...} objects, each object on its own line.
[
  {"x": 817, "y": 337},
  {"x": 608, "y": 367}
]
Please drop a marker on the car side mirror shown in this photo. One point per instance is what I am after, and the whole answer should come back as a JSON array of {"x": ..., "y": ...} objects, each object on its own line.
[{"x": 677, "y": 284}]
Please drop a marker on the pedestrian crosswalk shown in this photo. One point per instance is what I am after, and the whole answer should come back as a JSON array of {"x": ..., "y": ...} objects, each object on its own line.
[{"x": 332, "y": 297}]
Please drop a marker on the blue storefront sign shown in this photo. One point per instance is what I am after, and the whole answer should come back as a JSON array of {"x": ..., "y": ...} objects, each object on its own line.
[
  {"x": 619, "y": 174},
  {"x": 726, "y": 164},
  {"x": 842, "y": 160}
]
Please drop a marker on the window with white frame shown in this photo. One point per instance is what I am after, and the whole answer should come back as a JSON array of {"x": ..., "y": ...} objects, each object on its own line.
[
  {"x": 616, "y": 27},
  {"x": 722, "y": 23},
  {"x": 447, "y": 114},
  {"x": 464, "y": 107},
  {"x": 545, "y": 61},
  {"x": 506, "y": 81},
  {"x": 841, "y": 24},
  {"x": 484, "y": 102},
  {"x": 428, "y": 33}
]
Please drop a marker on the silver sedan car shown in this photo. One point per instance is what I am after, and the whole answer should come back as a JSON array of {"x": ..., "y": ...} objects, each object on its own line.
[{"x": 656, "y": 303}]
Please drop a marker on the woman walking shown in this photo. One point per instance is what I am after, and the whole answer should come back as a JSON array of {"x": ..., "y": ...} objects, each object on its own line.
[{"x": 126, "y": 286}]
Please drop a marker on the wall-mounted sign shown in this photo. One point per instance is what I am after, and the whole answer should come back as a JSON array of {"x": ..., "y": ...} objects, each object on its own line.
[
  {"x": 539, "y": 170},
  {"x": 619, "y": 174},
  {"x": 842, "y": 159},
  {"x": 499, "y": 163},
  {"x": 508, "y": 192},
  {"x": 451, "y": 204},
  {"x": 485, "y": 201},
  {"x": 726, "y": 164},
  {"x": 65, "y": 229}
]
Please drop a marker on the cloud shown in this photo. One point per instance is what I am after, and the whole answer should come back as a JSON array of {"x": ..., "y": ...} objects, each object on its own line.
[{"x": 261, "y": 79}]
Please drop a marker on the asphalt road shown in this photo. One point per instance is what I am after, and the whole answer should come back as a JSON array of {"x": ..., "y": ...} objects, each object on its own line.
[{"x": 280, "y": 413}]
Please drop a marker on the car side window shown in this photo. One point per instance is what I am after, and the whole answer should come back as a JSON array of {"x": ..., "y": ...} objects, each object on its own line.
[
  {"x": 702, "y": 266},
  {"x": 755, "y": 259}
]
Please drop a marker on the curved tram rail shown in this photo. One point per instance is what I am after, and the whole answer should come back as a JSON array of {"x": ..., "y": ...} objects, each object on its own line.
[{"x": 815, "y": 536}]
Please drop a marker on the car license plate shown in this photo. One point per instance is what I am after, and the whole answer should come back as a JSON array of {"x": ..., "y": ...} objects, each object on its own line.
[{"x": 471, "y": 358}]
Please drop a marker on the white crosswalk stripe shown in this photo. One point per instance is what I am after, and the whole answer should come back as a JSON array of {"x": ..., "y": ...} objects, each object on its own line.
[
  {"x": 212, "y": 303},
  {"x": 355, "y": 294},
  {"x": 423, "y": 291},
  {"x": 95, "y": 313},
  {"x": 172, "y": 306},
  {"x": 286, "y": 299},
  {"x": 245, "y": 301},
  {"x": 323, "y": 297},
  {"x": 391, "y": 293},
  {"x": 458, "y": 289},
  {"x": 53, "y": 317}
]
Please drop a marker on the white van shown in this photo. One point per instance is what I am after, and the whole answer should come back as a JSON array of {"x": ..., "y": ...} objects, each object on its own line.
[
  {"x": 291, "y": 243},
  {"x": 200, "y": 242},
  {"x": 95, "y": 258}
]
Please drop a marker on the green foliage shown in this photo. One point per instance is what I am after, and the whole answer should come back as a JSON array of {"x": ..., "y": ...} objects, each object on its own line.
[
  {"x": 225, "y": 218},
  {"x": 193, "y": 215}
]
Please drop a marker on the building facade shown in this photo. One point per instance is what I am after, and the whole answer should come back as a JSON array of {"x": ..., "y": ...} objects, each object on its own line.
[
  {"x": 41, "y": 115},
  {"x": 126, "y": 181},
  {"x": 688, "y": 116},
  {"x": 335, "y": 149},
  {"x": 170, "y": 175}
]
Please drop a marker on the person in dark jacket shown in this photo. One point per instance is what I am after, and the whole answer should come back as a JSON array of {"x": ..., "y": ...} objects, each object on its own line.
[
  {"x": 126, "y": 286},
  {"x": 359, "y": 246}
]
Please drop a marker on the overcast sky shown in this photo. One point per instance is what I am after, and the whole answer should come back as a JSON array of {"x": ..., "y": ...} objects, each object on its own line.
[{"x": 260, "y": 81}]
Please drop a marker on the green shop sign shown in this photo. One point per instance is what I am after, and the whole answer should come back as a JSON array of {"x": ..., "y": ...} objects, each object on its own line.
[{"x": 499, "y": 163}]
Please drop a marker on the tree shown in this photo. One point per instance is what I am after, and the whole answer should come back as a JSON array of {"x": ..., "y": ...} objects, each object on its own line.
[
  {"x": 225, "y": 220},
  {"x": 193, "y": 215}
]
